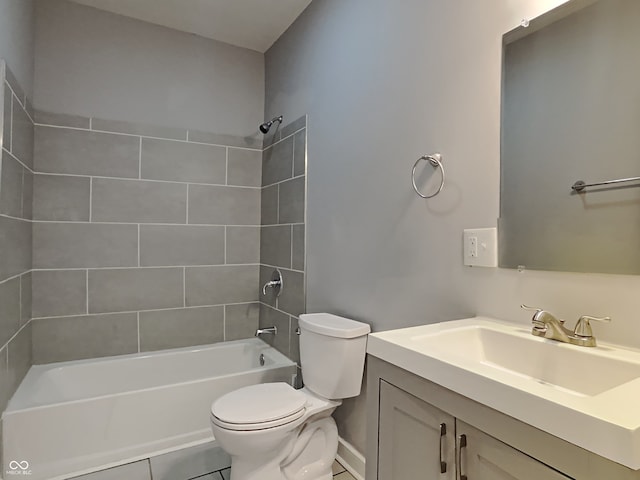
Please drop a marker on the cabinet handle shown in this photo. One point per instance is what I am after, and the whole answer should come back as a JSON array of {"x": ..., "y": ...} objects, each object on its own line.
[
  {"x": 443, "y": 436},
  {"x": 462, "y": 443}
]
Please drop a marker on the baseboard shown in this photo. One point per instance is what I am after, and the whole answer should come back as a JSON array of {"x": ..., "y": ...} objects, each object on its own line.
[{"x": 351, "y": 459}]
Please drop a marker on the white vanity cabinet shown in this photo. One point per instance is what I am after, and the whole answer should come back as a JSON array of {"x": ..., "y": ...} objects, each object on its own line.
[
  {"x": 417, "y": 440},
  {"x": 406, "y": 440},
  {"x": 414, "y": 437},
  {"x": 484, "y": 458}
]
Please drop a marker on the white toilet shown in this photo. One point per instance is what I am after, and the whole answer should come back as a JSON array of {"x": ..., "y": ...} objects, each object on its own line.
[{"x": 274, "y": 432}]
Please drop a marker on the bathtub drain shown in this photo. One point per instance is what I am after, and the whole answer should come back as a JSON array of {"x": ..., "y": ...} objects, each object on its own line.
[{"x": 262, "y": 359}]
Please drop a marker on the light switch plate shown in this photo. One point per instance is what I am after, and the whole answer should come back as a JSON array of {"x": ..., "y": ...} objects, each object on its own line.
[{"x": 481, "y": 247}]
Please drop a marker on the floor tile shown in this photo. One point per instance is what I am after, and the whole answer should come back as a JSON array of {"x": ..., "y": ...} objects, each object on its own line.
[
  {"x": 344, "y": 476},
  {"x": 336, "y": 468}
]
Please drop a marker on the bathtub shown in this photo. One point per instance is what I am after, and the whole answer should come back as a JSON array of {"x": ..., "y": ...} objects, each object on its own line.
[{"x": 80, "y": 416}]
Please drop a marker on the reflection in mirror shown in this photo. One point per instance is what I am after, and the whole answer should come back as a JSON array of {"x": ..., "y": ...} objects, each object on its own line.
[{"x": 571, "y": 111}]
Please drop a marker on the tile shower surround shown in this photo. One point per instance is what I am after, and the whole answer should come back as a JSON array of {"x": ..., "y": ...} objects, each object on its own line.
[
  {"x": 144, "y": 237},
  {"x": 283, "y": 233},
  {"x": 16, "y": 192}
]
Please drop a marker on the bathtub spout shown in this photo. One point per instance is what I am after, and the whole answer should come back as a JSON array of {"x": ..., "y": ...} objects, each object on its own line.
[{"x": 271, "y": 330}]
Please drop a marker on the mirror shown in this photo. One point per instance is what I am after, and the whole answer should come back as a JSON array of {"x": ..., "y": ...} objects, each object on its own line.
[{"x": 570, "y": 112}]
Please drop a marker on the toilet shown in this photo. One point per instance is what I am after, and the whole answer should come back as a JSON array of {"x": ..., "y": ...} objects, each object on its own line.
[{"x": 274, "y": 432}]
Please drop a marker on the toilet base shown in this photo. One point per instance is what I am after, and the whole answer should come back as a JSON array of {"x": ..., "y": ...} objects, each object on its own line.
[
  {"x": 264, "y": 467},
  {"x": 307, "y": 456},
  {"x": 314, "y": 451}
]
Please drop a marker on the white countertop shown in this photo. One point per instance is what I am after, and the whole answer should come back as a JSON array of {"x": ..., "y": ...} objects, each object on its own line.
[{"x": 603, "y": 418}]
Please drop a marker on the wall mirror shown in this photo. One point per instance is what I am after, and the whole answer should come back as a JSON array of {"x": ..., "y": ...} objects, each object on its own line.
[{"x": 571, "y": 112}]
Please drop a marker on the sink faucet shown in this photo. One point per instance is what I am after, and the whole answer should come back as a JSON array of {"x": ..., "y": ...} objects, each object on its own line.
[
  {"x": 270, "y": 330},
  {"x": 548, "y": 326}
]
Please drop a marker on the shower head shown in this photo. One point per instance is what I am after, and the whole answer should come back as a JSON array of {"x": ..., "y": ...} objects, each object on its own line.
[{"x": 264, "y": 128}]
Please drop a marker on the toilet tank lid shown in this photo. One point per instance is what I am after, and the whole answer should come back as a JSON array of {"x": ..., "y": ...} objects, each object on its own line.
[{"x": 333, "y": 325}]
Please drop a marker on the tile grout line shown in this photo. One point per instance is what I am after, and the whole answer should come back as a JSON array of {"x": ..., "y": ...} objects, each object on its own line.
[
  {"x": 138, "y": 245},
  {"x": 11, "y": 129},
  {"x": 187, "y": 207},
  {"x": 156, "y": 224},
  {"x": 22, "y": 196},
  {"x": 134, "y": 179},
  {"x": 226, "y": 167},
  {"x": 90, "y": 199},
  {"x": 285, "y": 138},
  {"x": 138, "y": 325},
  {"x": 293, "y": 158},
  {"x": 142, "y": 267},
  {"x": 87, "y": 290},
  {"x": 18, "y": 160},
  {"x": 151, "y": 137},
  {"x": 283, "y": 268},
  {"x": 184, "y": 287},
  {"x": 278, "y": 206},
  {"x": 15, "y": 276},
  {"x": 278, "y": 310},
  {"x": 225, "y": 244},
  {"x": 283, "y": 181},
  {"x": 224, "y": 323},
  {"x": 140, "y": 159},
  {"x": 121, "y": 312},
  {"x": 20, "y": 300},
  {"x": 13, "y": 337}
]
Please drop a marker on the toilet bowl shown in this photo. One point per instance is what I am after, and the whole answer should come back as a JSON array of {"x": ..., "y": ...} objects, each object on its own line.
[
  {"x": 295, "y": 439},
  {"x": 275, "y": 432}
]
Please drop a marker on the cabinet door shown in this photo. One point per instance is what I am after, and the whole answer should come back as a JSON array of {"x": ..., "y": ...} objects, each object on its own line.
[
  {"x": 485, "y": 458},
  {"x": 416, "y": 440}
]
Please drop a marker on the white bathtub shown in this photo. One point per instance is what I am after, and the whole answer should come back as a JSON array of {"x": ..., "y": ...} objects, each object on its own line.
[{"x": 72, "y": 417}]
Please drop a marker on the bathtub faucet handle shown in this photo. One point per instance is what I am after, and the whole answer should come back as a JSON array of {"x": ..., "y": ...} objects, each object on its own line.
[
  {"x": 270, "y": 330},
  {"x": 276, "y": 283},
  {"x": 270, "y": 284}
]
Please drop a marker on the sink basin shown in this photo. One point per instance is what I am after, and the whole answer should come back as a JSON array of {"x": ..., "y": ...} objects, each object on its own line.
[
  {"x": 587, "y": 396},
  {"x": 574, "y": 369}
]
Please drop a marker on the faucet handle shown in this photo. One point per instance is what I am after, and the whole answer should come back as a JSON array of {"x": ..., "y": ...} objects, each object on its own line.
[
  {"x": 531, "y": 309},
  {"x": 583, "y": 327},
  {"x": 541, "y": 317},
  {"x": 537, "y": 324}
]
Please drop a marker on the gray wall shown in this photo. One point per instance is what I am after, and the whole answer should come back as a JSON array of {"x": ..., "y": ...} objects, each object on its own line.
[
  {"x": 16, "y": 40},
  {"x": 143, "y": 240},
  {"x": 16, "y": 193},
  {"x": 383, "y": 83},
  {"x": 98, "y": 64},
  {"x": 283, "y": 233}
]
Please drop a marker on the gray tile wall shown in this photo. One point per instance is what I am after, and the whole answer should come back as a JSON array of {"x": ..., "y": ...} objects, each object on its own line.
[
  {"x": 16, "y": 195},
  {"x": 282, "y": 238},
  {"x": 144, "y": 237}
]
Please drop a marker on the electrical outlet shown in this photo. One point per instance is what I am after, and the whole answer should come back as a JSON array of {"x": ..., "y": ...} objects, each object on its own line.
[
  {"x": 473, "y": 246},
  {"x": 481, "y": 247}
]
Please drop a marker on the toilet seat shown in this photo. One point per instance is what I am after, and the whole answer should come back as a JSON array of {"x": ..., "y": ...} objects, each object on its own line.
[{"x": 259, "y": 407}]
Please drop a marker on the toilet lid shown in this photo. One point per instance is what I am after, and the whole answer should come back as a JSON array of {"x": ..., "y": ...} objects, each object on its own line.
[{"x": 258, "y": 404}]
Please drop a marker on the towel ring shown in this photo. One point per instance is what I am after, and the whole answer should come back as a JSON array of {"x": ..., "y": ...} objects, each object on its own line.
[{"x": 436, "y": 161}]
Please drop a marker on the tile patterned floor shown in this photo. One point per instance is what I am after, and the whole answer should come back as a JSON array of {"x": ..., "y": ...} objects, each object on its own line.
[{"x": 340, "y": 473}]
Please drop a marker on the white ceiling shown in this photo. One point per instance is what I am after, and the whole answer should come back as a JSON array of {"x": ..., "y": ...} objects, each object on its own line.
[{"x": 253, "y": 24}]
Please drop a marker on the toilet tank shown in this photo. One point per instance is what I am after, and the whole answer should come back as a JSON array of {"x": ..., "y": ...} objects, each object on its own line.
[{"x": 332, "y": 353}]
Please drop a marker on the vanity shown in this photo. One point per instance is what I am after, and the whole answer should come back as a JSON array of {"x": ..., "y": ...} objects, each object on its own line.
[{"x": 481, "y": 399}]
